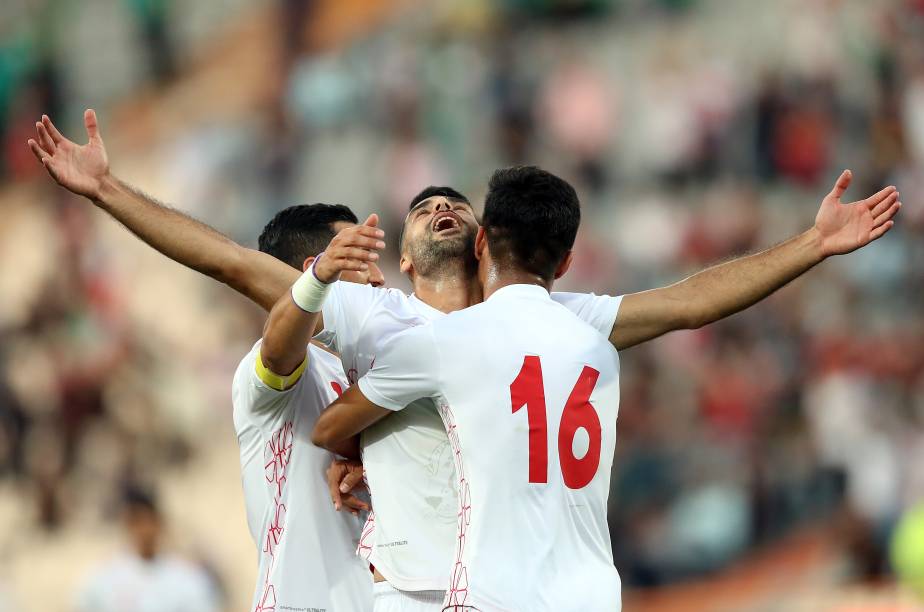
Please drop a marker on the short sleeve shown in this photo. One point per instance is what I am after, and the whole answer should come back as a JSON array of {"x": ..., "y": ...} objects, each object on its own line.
[
  {"x": 344, "y": 311},
  {"x": 407, "y": 370},
  {"x": 252, "y": 394},
  {"x": 598, "y": 311}
]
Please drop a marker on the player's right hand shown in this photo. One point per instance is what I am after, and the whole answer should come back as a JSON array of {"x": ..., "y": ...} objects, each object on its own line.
[
  {"x": 352, "y": 249},
  {"x": 78, "y": 168},
  {"x": 343, "y": 477}
]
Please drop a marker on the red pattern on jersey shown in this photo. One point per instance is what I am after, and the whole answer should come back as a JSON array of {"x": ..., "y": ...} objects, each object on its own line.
[
  {"x": 277, "y": 455},
  {"x": 458, "y": 584}
]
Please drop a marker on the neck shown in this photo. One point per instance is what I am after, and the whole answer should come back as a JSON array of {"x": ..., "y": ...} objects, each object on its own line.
[
  {"x": 448, "y": 293},
  {"x": 496, "y": 279}
]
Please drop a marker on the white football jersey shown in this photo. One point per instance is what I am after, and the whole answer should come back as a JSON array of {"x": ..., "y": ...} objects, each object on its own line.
[
  {"x": 411, "y": 531},
  {"x": 529, "y": 395},
  {"x": 305, "y": 547}
]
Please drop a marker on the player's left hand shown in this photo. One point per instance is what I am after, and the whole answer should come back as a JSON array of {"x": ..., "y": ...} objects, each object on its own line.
[
  {"x": 343, "y": 476},
  {"x": 843, "y": 228}
]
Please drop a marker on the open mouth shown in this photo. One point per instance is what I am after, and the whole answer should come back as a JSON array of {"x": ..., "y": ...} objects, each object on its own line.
[{"x": 444, "y": 222}]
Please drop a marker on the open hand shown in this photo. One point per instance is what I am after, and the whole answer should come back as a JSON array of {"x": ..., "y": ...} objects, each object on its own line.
[
  {"x": 846, "y": 227},
  {"x": 78, "y": 168},
  {"x": 354, "y": 249}
]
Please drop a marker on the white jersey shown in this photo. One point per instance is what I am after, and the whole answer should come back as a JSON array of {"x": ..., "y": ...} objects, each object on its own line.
[
  {"x": 408, "y": 461},
  {"x": 529, "y": 396},
  {"x": 129, "y": 583},
  {"x": 304, "y": 545}
]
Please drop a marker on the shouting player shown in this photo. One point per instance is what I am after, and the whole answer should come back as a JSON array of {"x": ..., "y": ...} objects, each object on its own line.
[
  {"x": 533, "y": 484},
  {"x": 305, "y": 548},
  {"x": 414, "y": 491}
]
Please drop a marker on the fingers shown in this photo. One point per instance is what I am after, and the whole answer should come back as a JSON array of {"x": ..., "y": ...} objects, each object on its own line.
[
  {"x": 887, "y": 215},
  {"x": 843, "y": 182},
  {"x": 333, "y": 484},
  {"x": 882, "y": 229},
  {"x": 89, "y": 120},
  {"x": 353, "y": 478},
  {"x": 45, "y": 138},
  {"x": 354, "y": 504},
  {"x": 372, "y": 221},
  {"x": 880, "y": 206},
  {"x": 879, "y": 196},
  {"x": 52, "y": 130},
  {"x": 39, "y": 153}
]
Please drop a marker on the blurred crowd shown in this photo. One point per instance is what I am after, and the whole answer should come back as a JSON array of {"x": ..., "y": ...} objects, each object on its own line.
[{"x": 694, "y": 130}]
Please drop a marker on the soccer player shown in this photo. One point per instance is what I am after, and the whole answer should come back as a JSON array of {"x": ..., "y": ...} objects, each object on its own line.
[
  {"x": 305, "y": 548},
  {"x": 528, "y": 394},
  {"x": 415, "y": 499},
  {"x": 145, "y": 578}
]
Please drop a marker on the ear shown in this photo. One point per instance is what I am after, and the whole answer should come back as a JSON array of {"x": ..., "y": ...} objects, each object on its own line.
[
  {"x": 405, "y": 265},
  {"x": 564, "y": 265},
  {"x": 481, "y": 243},
  {"x": 308, "y": 261}
]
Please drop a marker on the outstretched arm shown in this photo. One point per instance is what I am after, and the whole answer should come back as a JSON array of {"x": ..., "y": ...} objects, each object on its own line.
[
  {"x": 725, "y": 289},
  {"x": 84, "y": 170}
]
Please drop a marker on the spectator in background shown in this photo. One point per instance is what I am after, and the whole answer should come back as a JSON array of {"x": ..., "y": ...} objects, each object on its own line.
[{"x": 145, "y": 579}]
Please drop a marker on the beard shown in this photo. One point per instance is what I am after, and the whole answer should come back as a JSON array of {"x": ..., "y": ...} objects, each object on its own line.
[{"x": 431, "y": 256}]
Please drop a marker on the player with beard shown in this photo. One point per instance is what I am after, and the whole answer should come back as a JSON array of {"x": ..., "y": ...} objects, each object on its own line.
[{"x": 407, "y": 461}]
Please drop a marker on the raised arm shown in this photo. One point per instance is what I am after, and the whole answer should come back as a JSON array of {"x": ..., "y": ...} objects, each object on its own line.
[
  {"x": 292, "y": 320},
  {"x": 84, "y": 170},
  {"x": 727, "y": 288}
]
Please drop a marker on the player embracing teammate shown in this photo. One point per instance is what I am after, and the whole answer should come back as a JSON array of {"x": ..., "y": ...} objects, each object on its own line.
[{"x": 525, "y": 383}]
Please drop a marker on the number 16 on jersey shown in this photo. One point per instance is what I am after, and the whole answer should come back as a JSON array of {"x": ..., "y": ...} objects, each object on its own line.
[{"x": 528, "y": 390}]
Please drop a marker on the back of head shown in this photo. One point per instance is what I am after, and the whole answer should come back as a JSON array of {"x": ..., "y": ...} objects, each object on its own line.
[
  {"x": 299, "y": 232},
  {"x": 531, "y": 218}
]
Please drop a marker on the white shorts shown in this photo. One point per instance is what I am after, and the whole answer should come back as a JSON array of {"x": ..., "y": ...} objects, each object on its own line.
[{"x": 387, "y": 598}]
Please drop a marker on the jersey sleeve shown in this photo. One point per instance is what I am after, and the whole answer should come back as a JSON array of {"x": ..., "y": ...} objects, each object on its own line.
[
  {"x": 255, "y": 390},
  {"x": 408, "y": 369},
  {"x": 344, "y": 311},
  {"x": 598, "y": 311}
]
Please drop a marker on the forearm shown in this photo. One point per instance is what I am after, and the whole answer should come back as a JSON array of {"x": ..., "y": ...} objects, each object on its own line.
[
  {"x": 348, "y": 448},
  {"x": 256, "y": 275},
  {"x": 727, "y": 288},
  {"x": 714, "y": 293},
  {"x": 286, "y": 336}
]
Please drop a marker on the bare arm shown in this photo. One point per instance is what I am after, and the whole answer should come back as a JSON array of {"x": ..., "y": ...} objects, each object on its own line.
[
  {"x": 84, "y": 170},
  {"x": 290, "y": 326},
  {"x": 725, "y": 289},
  {"x": 345, "y": 418}
]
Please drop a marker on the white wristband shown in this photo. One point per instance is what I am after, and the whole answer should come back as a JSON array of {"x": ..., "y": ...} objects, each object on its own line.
[{"x": 309, "y": 292}]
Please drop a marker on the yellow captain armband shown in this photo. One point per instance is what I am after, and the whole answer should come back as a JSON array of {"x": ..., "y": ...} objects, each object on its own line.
[{"x": 275, "y": 381}]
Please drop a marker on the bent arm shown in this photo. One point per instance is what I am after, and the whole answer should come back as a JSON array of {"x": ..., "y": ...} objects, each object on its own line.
[
  {"x": 344, "y": 419},
  {"x": 714, "y": 293},
  {"x": 260, "y": 277}
]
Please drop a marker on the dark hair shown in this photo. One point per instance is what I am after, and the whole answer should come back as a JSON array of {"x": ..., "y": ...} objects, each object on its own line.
[
  {"x": 299, "y": 232},
  {"x": 433, "y": 190},
  {"x": 136, "y": 498},
  {"x": 531, "y": 218}
]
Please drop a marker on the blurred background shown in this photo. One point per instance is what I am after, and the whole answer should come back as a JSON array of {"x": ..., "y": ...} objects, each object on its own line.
[{"x": 773, "y": 461}]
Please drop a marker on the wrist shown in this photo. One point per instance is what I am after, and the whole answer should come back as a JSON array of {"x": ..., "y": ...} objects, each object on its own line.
[
  {"x": 319, "y": 269},
  {"x": 814, "y": 242},
  {"x": 108, "y": 188},
  {"x": 309, "y": 291}
]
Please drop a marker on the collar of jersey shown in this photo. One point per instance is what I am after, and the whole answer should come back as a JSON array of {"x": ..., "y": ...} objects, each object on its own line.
[
  {"x": 521, "y": 290},
  {"x": 430, "y": 310}
]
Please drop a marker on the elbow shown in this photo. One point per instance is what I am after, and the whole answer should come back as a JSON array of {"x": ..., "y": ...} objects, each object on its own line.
[
  {"x": 695, "y": 320},
  {"x": 322, "y": 435}
]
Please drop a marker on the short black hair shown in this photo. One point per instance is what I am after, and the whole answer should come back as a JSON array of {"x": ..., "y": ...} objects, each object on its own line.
[
  {"x": 433, "y": 190},
  {"x": 531, "y": 218},
  {"x": 135, "y": 498},
  {"x": 299, "y": 232}
]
